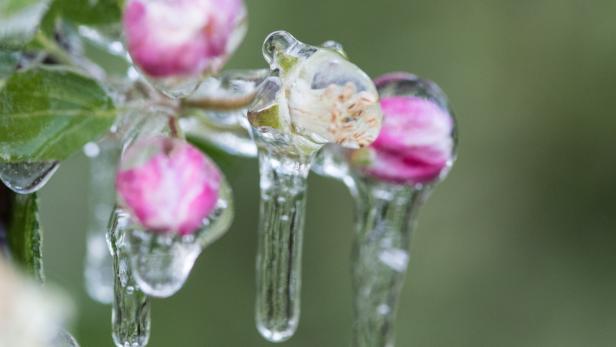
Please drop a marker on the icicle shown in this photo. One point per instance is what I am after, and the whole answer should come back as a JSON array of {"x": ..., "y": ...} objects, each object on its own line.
[
  {"x": 384, "y": 222},
  {"x": 283, "y": 200},
  {"x": 130, "y": 317},
  {"x": 27, "y": 177},
  {"x": 389, "y": 180},
  {"x": 313, "y": 96}
]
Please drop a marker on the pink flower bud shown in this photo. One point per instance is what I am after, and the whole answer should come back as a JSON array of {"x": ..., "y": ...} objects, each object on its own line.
[
  {"x": 182, "y": 37},
  {"x": 168, "y": 185},
  {"x": 416, "y": 142}
]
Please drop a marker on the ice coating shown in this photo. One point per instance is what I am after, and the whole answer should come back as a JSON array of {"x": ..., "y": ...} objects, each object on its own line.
[
  {"x": 168, "y": 185},
  {"x": 416, "y": 143},
  {"x": 316, "y": 95}
]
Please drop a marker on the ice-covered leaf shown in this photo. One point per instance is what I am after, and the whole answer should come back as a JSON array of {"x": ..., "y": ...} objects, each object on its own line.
[{"x": 47, "y": 114}]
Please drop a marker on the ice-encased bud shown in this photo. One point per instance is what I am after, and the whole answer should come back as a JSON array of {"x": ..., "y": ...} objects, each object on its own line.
[
  {"x": 179, "y": 202},
  {"x": 176, "y": 42},
  {"x": 139, "y": 120},
  {"x": 416, "y": 145},
  {"x": 168, "y": 185},
  {"x": 314, "y": 96}
]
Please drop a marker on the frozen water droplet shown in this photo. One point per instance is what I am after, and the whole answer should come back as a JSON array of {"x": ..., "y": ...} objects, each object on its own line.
[
  {"x": 161, "y": 263},
  {"x": 27, "y": 177},
  {"x": 277, "y": 42},
  {"x": 334, "y": 46},
  {"x": 160, "y": 268}
]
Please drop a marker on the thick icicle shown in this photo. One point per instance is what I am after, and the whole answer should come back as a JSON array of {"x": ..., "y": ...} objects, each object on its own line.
[
  {"x": 389, "y": 180},
  {"x": 283, "y": 200},
  {"x": 384, "y": 222},
  {"x": 313, "y": 97}
]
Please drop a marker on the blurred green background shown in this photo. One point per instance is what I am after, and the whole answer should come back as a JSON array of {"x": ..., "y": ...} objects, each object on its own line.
[{"x": 516, "y": 248}]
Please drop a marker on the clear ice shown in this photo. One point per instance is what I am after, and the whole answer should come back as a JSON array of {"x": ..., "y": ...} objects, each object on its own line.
[
  {"x": 216, "y": 112},
  {"x": 139, "y": 120},
  {"x": 312, "y": 97},
  {"x": 130, "y": 315},
  {"x": 27, "y": 177},
  {"x": 384, "y": 222},
  {"x": 161, "y": 262}
]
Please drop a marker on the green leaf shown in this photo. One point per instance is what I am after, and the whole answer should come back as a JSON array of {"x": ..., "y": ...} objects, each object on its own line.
[
  {"x": 8, "y": 64},
  {"x": 25, "y": 237},
  {"x": 19, "y": 20},
  {"x": 89, "y": 12},
  {"x": 49, "y": 113}
]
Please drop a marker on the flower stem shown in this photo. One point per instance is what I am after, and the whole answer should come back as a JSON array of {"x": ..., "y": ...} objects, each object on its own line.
[
  {"x": 384, "y": 222},
  {"x": 283, "y": 199}
]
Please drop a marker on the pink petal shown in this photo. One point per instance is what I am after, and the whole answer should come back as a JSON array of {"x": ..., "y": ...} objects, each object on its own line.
[
  {"x": 415, "y": 143},
  {"x": 174, "y": 190}
]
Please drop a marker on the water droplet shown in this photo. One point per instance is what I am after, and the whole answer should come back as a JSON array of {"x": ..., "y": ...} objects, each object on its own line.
[
  {"x": 277, "y": 42},
  {"x": 335, "y": 46},
  {"x": 27, "y": 177}
]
